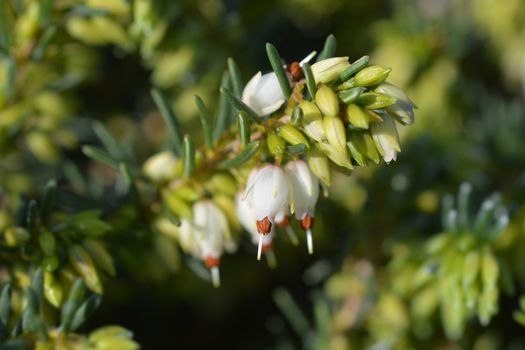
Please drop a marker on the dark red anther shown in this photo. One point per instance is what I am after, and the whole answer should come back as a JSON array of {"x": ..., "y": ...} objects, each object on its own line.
[
  {"x": 296, "y": 71},
  {"x": 212, "y": 261},
  {"x": 284, "y": 222},
  {"x": 264, "y": 226},
  {"x": 267, "y": 248},
  {"x": 307, "y": 222}
]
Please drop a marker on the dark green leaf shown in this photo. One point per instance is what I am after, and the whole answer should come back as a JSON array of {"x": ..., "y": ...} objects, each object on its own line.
[
  {"x": 310, "y": 80},
  {"x": 351, "y": 70},
  {"x": 5, "y": 303},
  {"x": 330, "y": 45},
  {"x": 221, "y": 120},
  {"x": 99, "y": 155},
  {"x": 296, "y": 149},
  {"x": 297, "y": 116},
  {"x": 235, "y": 75},
  {"x": 277, "y": 66},
  {"x": 239, "y": 105},
  {"x": 205, "y": 122},
  {"x": 72, "y": 303},
  {"x": 244, "y": 127},
  {"x": 170, "y": 119},
  {"x": 48, "y": 201},
  {"x": 85, "y": 311},
  {"x": 189, "y": 156},
  {"x": 110, "y": 144},
  {"x": 243, "y": 157}
]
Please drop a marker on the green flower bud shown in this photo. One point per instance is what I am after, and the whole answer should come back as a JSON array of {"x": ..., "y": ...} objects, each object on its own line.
[
  {"x": 276, "y": 145},
  {"x": 320, "y": 165},
  {"x": 327, "y": 70},
  {"x": 327, "y": 101},
  {"x": 50, "y": 263},
  {"x": 100, "y": 255},
  {"x": 16, "y": 236},
  {"x": 177, "y": 205},
  {"x": 53, "y": 290},
  {"x": 116, "y": 343},
  {"x": 161, "y": 166},
  {"x": 187, "y": 193},
  {"x": 40, "y": 144},
  {"x": 470, "y": 268},
  {"x": 109, "y": 332},
  {"x": 371, "y": 75},
  {"x": 361, "y": 117},
  {"x": 85, "y": 267},
  {"x": 375, "y": 100},
  {"x": 338, "y": 156},
  {"x": 222, "y": 183},
  {"x": 293, "y": 136},
  {"x": 335, "y": 131},
  {"x": 489, "y": 269},
  {"x": 82, "y": 29},
  {"x": 312, "y": 121}
]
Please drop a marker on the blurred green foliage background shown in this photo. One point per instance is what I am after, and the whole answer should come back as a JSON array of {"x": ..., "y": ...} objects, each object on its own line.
[{"x": 461, "y": 61}]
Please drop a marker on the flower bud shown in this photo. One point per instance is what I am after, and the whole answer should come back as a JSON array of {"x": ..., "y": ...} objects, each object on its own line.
[
  {"x": 85, "y": 267},
  {"x": 371, "y": 75},
  {"x": 293, "y": 136},
  {"x": 82, "y": 29},
  {"x": 276, "y": 145},
  {"x": 100, "y": 255},
  {"x": 375, "y": 100},
  {"x": 161, "y": 166},
  {"x": 52, "y": 290},
  {"x": 403, "y": 109},
  {"x": 338, "y": 156},
  {"x": 16, "y": 236},
  {"x": 47, "y": 243},
  {"x": 386, "y": 138},
  {"x": 362, "y": 145},
  {"x": 335, "y": 131},
  {"x": 320, "y": 166},
  {"x": 263, "y": 94},
  {"x": 312, "y": 121},
  {"x": 361, "y": 117},
  {"x": 489, "y": 269},
  {"x": 327, "y": 101},
  {"x": 267, "y": 194},
  {"x": 176, "y": 204},
  {"x": 327, "y": 70},
  {"x": 222, "y": 183}
]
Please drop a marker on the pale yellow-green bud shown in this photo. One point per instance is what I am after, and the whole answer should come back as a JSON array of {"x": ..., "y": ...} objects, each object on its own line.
[
  {"x": 175, "y": 204},
  {"x": 16, "y": 236},
  {"x": 117, "y": 7},
  {"x": 26, "y": 26},
  {"x": 187, "y": 193},
  {"x": 276, "y": 145},
  {"x": 437, "y": 244},
  {"x": 489, "y": 268},
  {"x": 51, "y": 104},
  {"x": 81, "y": 261},
  {"x": 47, "y": 243},
  {"x": 42, "y": 147},
  {"x": 112, "y": 32},
  {"x": 371, "y": 75},
  {"x": 100, "y": 255},
  {"x": 52, "y": 290},
  {"x": 116, "y": 343},
  {"x": 109, "y": 332},
  {"x": 386, "y": 138},
  {"x": 338, "y": 156},
  {"x": 470, "y": 268},
  {"x": 320, "y": 166},
  {"x": 82, "y": 29},
  {"x": 293, "y": 136},
  {"x": 227, "y": 204},
  {"x": 487, "y": 304},
  {"x": 161, "y": 166},
  {"x": 327, "y": 101},
  {"x": 361, "y": 117},
  {"x": 327, "y": 70},
  {"x": 425, "y": 303},
  {"x": 335, "y": 131},
  {"x": 312, "y": 121},
  {"x": 222, "y": 183},
  {"x": 375, "y": 100}
]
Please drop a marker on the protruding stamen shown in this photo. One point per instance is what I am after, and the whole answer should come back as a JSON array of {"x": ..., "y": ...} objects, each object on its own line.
[
  {"x": 270, "y": 259},
  {"x": 291, "y": 235},
  {"x": 212, "y": 261},
  {"x": 264, "y": 226},
  {"x": 259, "y": 248},
  {"x": 215, "y": 277},
  {"x": 309, "y": 241},
  {"x": 308, "y": 58}
]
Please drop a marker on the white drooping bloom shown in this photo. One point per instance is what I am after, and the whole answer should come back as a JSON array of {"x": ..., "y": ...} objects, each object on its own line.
[
  {"x": 267, "y": 195},
  {"x": 304, "y": 192},
  {"x": 327, "y": 70},
  {"x": 403, "y": 109},
  {"x": 263, "y": 93},
  {"x": 161, "y": 166},
  {"x": 386, "y": 138},
  {"x": 211, "y": 229},
  {"x": 248, "y": 221}
]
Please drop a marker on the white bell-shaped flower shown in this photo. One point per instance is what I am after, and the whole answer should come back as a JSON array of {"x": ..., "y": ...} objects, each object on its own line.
[
  {"x": 211, "y": 228},
  {"x": 386, "y": 138},
  {"x": 267, "y": 195},
  {"x": 263, "y": 93},
  {"x": 304, "y": 192},
  {"x": 248, "y": 221},
  {"x": 161, "y": 166}
]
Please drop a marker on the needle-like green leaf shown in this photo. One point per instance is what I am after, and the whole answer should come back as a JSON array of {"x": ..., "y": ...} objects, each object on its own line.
[
  {"x": 277, "y": 66},
  {"x": 170, "y": 119}
]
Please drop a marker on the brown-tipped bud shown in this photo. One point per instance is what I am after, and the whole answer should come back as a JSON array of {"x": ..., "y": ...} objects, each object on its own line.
[{"x": 212, "y": 261}]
